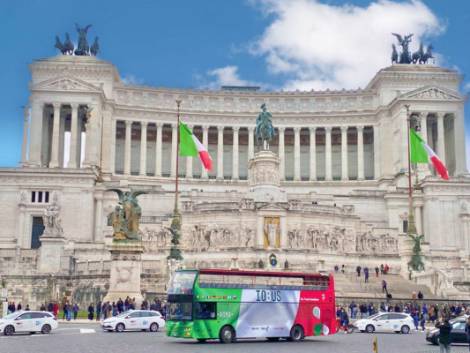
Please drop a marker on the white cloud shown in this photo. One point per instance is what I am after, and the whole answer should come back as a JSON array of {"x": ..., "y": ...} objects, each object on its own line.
[
  {"x": 224, "y": 76},
  {"x": 131, "y": 79},
  {"x": 316, "y": 45}
]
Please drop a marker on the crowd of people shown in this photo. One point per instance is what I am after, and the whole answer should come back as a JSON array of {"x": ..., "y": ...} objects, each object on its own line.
[{"x": 98, "y": 311}]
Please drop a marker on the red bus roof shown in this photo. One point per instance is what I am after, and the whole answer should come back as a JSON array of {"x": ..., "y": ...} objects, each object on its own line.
[{"x": 226, "y": 272}]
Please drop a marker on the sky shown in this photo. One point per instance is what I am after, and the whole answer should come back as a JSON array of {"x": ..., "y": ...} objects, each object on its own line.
[{"x": 275, "y": 44}]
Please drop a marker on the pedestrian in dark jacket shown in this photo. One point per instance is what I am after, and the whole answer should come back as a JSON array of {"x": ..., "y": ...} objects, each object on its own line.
[
  {"x": 444, "y": 336},
  {"x": 467, "y": 331},
  {"x": 91, "y": 312}
]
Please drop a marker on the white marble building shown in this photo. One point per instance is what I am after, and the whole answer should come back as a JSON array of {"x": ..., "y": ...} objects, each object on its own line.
[{"x": 341, "y": 191}]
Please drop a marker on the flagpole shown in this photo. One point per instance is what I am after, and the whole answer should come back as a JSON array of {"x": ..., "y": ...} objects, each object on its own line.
[
  {"x": 411, "y": 223},
  {"x": 178, "y": 104}
]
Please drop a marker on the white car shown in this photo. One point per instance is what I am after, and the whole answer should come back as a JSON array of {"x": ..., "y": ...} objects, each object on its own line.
[
  {"x": 134, "y": 320},
  {"x": 386, "y": 322},
  {"x": 28, "y": 321}
]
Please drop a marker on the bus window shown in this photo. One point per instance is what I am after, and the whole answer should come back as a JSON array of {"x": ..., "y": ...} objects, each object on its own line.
[
  {"x": 182, "y": 282},
  {"x": 180, "y": 311},
  {"x": 206, "y": 310}
]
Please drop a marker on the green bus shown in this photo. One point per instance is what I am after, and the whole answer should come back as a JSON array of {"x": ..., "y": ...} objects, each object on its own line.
[{"x": 230, "y": 304}]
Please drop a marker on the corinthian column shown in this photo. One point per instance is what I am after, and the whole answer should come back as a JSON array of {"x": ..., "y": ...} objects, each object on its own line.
[
  {"x": 127, "y": 148},
  {"x": 282, "y": 162},
  {"x": 112, "y": 150},
  {"x": 143, "y": 148},
  {"x": 74, "y": 137},
  {"x": 24, "y": 146},
  {"x": 251, "y": 143},
  {"x": 54, "y": 163},
  {"x": 441, "y": 147},
  {"x": 360, "y": 153},
  {"x": 174, "y": 149},
  {"x": 313, "y": 154},
  {"x": 36, "y": 133},
  {"x": 235, "y": 153},
  {"x": 189, "y": 160},
  {"x": 376, "y": 152},
  {"x": 328, "y": 170},
  {"x": 344, "y": 153},
  {"x": 220, "y": 152},
  {"x": 205, "y": 142},
  {"x": 158, "y": 150},
  {"x": 297, "y": 153}
]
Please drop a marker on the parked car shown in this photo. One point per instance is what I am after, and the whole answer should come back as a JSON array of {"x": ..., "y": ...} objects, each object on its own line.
[
  {"x": 386, "y": 322},
  {"x": 134, "y": 320},
  {"x": 28, "y": 321},
  {"x": 457, "y": 334}
]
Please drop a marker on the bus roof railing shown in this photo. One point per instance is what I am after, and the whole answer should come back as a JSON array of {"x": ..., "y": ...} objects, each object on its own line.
[{"x": 235, "y": 272}]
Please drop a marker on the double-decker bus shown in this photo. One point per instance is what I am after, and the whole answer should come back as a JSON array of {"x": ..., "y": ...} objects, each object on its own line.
[{"x": 229, "y": 304}]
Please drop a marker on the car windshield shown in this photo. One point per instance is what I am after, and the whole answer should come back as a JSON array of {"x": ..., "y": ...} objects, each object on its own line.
[
  {"x": 125, "y": 313},
  {"x": 182, "y": 282}
]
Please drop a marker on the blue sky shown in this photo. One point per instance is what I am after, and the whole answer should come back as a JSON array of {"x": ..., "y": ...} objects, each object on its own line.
[{"x": 278, "y": 44}]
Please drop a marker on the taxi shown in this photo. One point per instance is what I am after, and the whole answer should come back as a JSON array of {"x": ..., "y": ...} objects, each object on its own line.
[
  {"x": 386, "y": 322},
  {"x": 134, "y": 320},
  {"x": 28, "y": 321}
]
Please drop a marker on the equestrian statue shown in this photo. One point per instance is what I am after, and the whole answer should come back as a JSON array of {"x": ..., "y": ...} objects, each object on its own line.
[{"x": 264, "y": 131}]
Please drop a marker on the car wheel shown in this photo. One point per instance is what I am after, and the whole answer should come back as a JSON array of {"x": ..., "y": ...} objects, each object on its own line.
[
  {"x": 120, "y": 327},
  {"x": 370, "y": 328},
  {"x": 405, "y": 329},
  {"x": 46, "y": 329},
  {"x": 227, "y": 334},
  {"x": 9, "y": 330},
  {"x": 154, "y": 327},
  {"x": 296, "y": 333},
  {"x": 273, "y": 339}
]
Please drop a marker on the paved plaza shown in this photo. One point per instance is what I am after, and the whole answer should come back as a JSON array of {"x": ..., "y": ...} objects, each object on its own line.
[{"x": 78, "y": 338}]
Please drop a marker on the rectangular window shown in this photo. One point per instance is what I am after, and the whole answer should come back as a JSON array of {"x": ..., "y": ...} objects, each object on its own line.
[
  {"x": 33, "y": 196},
  {"x": 39, "y": 196},
  {"x": 36, "y": 231},
  {"x": 180, "y": 311},
  {"x": 405, "y": 226},
  {"x": 206, "y": 310},
  {"x": 46, "y": 197}
]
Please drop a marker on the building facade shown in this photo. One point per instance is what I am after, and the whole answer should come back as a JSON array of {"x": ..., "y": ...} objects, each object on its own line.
[{"x": 340, "y": 191}]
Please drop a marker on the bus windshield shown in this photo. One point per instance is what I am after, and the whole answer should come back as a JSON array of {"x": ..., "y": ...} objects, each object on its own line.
[{"x": 182, "y": 282}]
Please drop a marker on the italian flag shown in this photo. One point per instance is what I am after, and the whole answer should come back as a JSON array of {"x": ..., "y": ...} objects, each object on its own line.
[
  {"x": 190, "y": 146},
  {"x": 422, "y": 153}
]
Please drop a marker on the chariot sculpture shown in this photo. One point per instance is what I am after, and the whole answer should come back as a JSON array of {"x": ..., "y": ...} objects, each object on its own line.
[
  {"x": 405, "y": 57},
  {"x": 83, "y": 49}
]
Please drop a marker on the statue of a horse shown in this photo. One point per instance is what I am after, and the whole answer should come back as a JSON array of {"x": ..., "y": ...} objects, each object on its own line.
[
  {"x": 428, "y": 55},
  {"x": 60, "y": 46},
  {"x": 264, "y": 128},
  {"x": 418, "y": 55},
  {"x": 68, "y": 45},
  {"x": 95, "y": 48}
]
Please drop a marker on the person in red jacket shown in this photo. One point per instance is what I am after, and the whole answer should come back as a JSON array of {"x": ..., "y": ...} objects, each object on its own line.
[{"x": 55, "y": 309}]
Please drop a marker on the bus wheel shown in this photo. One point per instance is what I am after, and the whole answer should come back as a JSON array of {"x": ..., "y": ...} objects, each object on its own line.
[
  {"x": 227, "y": 334},
  {"x": 273, "y": 339},
  {"x": 296, "y": 333}
]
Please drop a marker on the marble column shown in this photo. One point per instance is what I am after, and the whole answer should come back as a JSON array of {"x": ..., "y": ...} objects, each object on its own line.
[
  {"x": 360, "y": 152},
  {"x": 423, "y": 169},
  {"x": 24, "y": 146},
  {"x": 328, "y": 170},
  {"x": 418, "y": 220},
  {"x": 296, "y": 153},
  {"x": 189, "y": 161},
  {"x": 99, "y": 219},
  {"x": 220, "y": 152},
  {"x": 54, "y": 163},
  {"x": 235, "y": 171},
  {"x": 282, "y": 155},
  {"x": 205, "y": 142},
  {"x": 127, "y": 148},
  {"x": 259, "y": 232},
  {"x": 158, "y": 150},
  {"x": 459, "y": 142},
  {"x": 74, "y": 135},
  {"x": 174, "y": 149},
  {"x": 251, "y": 142},
  {"x": 344, "y": 153},
  {"x": 143, "y": 148},
  {"x": 35, "y": 142},
  {"x": 313, "y": 154},
  {"x": 112, "y": 157},
  {"x": 283, "y": 232},
  {"x": 441, "y": 147},
  {"x": 376, "y": 152}
]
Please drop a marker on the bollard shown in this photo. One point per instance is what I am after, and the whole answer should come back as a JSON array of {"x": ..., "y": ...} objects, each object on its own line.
[{"x": 375, "y": 345}]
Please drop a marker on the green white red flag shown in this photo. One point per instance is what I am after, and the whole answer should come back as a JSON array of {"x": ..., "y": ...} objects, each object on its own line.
[
  {"x": 190, "y": 146},
  {"x": 422, "y": 153}
]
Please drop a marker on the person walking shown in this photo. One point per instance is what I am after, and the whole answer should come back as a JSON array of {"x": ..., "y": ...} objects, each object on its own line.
[
  {"x": 358, "y": 270},
  {"x": 91, "y": 312},
  {"x": 384, "y": 286},
  {"x": 75, "y": 309},
  {"x": 467, "y": 332},
  {"x": 377, "y": 271},
  {"x": 98, "y": 310},
  {"x": 366, "y": 274},
  {"x": 445, "y": 341}
]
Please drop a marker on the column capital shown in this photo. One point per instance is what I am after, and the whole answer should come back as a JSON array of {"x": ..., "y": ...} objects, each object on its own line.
[
  {"x": 205, "y": 128},
  {"x": 143, "y": 123},
  {"x": 159, "y": 124},
  {"x": 128, "y": 122},
  {"x": 344, "y": 129},
  {"x": 220, "y": 128},
  {"x": 281, "y": 129},
  {"x": 74, "y": 106},
  {"x": 297, "y": 129},
  {"x": 312, "y": 129},
  {"x": 360, "y": 128},
  {"x": 440, "y": 115},
  {"x": 251, "y": 129},
  {"x": 56, "y": 105},
  {"x": 236, "y": 129},
  {"x": 174, "y": 126},
  {"x": 328, "y": 129}
]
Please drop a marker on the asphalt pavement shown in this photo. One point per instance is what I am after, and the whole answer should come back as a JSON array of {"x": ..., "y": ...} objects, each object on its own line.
[{"x": 89, "y": 338}]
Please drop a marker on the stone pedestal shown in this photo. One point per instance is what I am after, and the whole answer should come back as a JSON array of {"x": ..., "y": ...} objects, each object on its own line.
[
  {"x": 264, "y": 178},
  {"x": 49, "y": 254},
  {"x": 126, "y": 267}
]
